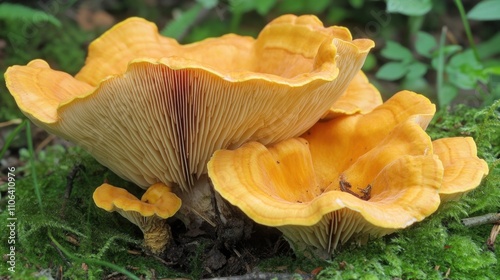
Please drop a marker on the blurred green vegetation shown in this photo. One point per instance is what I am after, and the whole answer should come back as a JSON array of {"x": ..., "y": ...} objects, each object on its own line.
[
  {"x": 442, "y": 49},
  {"x": 463, "y": 68}
]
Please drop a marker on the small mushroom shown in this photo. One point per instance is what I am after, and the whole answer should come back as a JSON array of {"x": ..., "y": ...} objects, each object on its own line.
[
  {"x": 150, "y": 213},
  {"x": 463, "y": 170}
]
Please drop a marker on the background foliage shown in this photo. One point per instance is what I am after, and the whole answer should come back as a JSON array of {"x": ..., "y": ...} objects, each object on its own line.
[{"x": 446, "y": 50}]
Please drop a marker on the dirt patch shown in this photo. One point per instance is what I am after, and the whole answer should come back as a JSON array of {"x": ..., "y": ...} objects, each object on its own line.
[{"x": 232, "y": 249}]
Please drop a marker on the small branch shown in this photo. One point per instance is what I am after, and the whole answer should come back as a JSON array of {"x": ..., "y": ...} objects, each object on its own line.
[
  {"x": 493, "y": 236},
  {"x": 60, "y": 253},
  {"x": 11, "y": 122},
  {"x": 491, "y": 218},
  {"x": 70, "y": 178}
]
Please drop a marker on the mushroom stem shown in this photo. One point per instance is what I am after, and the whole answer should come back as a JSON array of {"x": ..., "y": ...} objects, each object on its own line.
[
  {"x": 204, "y": 209},
  {"x": 158, "y": 236}
]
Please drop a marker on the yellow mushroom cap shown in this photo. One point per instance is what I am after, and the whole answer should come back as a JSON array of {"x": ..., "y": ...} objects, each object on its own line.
[
  {"x": 358, "y": 134},
  {"x": 153, "y": 110},
  {"x": 295, "y": 184},
  {"x": 360, "y": 97},
  {"x": 463, "y": 170}
]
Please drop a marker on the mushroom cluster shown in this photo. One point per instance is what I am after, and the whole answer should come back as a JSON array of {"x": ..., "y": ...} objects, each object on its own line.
[
  {"x": 156, "y": 112},
  {"x": 349, "y": 178}
]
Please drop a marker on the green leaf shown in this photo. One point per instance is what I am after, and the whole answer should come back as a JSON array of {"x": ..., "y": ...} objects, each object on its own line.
[
  {"x": 489, "y": 48},
  {"x": 337, "y": 14},
  {"x": 264, "y": 6},
  {"x": 447, "y": 51},
  {"x": 485, "y": 10},
  {"x": 291, "y": 6},
  {"x": 317, "y": 6},
  {"x": 416, "y": 70},
  {"x": 392, "y": 71},
  {"x": 425, "y": 43},
  {"x": 356, "y": 3},
  {"x": 241, "y": 6},
  {"x": 495, "y": 70},
  {"x": 302, "y": 6},
  {"x": 10, "y": 12},
  {"x": 409, "y": 8},
  {"x": 208, "y": 4},
  {"x": 465, "y": 71},
  {"x": 396, "y": 51},
  {"x": 178, "y": 26},
  {"x": 447, "y": 94},
  {"x": 210, "y": 28},
  {"x": 419, "y": 85}
]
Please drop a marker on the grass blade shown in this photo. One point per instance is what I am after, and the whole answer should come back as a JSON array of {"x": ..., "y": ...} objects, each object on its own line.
[{"x": 29, "y": 139}]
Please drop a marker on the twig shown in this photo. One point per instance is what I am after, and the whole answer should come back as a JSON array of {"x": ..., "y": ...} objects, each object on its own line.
[
  {"x": 70, "y": 178},
  {"x": 60, "y": 253},
  {"x": 44, "y": 143},
  {"x": 490, "y": 218},
  {"x": 11, "y": 122},
  {"x": 346, "y": 187},
  {"x": 493, "y": 236},
  {"x": 69, "y": 186}
]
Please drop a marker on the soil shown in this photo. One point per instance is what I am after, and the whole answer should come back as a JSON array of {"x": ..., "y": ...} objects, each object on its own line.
[{"x": 231, "y": 249}]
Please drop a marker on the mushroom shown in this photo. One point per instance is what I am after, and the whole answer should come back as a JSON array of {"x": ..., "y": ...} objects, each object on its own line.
[
  {"x": 153, "y": 110},
  {"x": 360, "y": 97},
  {"x": 463, "y": 170},
  {"x": 150, "y": 213},
  {"x": 348, "y": 178}
]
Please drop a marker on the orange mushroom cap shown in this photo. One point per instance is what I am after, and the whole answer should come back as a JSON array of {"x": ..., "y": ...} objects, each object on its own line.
[
  {"x": 360, "y": 97},
  {"x": 296, "y": 185},
  {"x": 158, "y": 200},
  {"x": 463, "y": 170},
  {"x": 153, "y": 110},
  {"x": 358, "y": 134}
]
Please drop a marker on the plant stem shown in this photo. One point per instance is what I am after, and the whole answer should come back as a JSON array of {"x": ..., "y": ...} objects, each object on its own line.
[
  {"x": 468, "y": 32},
  {"x": 440, "y": 66},
  {"x": 29, "y": 139}
]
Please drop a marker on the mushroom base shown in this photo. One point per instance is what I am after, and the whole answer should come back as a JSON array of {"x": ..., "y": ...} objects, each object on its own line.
[
  {"x": 204, "y": 210},
  {"x": 157, "y": 237}
]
